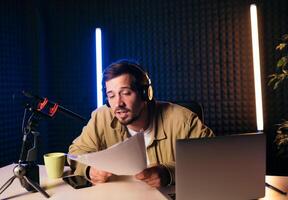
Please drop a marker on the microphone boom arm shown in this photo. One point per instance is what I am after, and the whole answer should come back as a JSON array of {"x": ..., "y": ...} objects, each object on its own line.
[{"x": 54, "y": 107}]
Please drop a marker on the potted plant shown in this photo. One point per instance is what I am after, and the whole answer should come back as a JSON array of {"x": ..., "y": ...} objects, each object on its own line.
[
  {"x": 281, "y": 74},
  {"x": 282, "y": 69}
]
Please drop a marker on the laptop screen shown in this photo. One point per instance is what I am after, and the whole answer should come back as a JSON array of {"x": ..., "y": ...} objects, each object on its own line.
[{"x": 223, "y": 167}]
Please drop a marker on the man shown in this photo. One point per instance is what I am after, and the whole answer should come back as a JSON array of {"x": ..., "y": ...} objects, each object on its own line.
[{"x": 131, "y": 109}]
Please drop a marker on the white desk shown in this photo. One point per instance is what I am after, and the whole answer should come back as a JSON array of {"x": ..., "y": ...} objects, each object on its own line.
[
  {"x": 120, "y": 188},
  {"x": 124, "y": 187},
  {"x": 281, "y": 182}
]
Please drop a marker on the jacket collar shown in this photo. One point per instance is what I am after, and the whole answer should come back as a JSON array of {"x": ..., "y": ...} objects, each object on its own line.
[{"x": 158, "y": 133}]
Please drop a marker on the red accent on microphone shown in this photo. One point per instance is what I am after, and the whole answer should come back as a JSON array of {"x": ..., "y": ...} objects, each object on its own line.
[
  {"x": 53, "y": 110},
  {"x": 42, "y": 104}
]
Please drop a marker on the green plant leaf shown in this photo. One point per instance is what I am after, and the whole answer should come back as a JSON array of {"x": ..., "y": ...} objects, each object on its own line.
[
  {"x": 285, "y": 37},
  {"x": 282, "y": 62},
  {"x": 272, "y": 79},
  {"x": 281, "y": 74},
  {"x": 281, "y": 46},
  {"x": 276, "y": 85}
]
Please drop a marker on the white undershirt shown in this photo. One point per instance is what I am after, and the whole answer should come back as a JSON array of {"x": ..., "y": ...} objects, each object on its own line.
[{"x": 147, "y": 137}]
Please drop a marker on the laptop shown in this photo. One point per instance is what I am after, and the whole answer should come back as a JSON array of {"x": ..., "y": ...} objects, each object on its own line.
[{"x": 221, "y": 168}]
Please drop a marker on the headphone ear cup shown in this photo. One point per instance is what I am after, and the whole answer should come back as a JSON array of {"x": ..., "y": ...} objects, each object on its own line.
[
  {"x": 147, "y": 93},
  {"x": 150, "y": 93},
  {"x": 148, "y": 90}
]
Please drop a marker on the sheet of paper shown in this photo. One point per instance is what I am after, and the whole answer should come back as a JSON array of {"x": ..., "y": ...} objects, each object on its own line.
[{"x": 125, "y": 158}]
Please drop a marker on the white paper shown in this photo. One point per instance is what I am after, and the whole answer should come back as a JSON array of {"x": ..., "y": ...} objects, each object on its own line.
[{"x": 125, "y": 158}]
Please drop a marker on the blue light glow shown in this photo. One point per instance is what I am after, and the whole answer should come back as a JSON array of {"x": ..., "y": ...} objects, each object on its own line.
[{"x": 99, "y": 66}]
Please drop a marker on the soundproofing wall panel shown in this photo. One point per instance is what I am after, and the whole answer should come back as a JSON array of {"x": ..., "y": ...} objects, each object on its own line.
[
  {"x": 193, "y": 50},
  {"x": 18, "y": 71}
]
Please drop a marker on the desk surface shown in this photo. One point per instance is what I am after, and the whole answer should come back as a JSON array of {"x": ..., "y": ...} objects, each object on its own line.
[
  {"x": 280, "y": 182},
  {"x": 123, "y": 187}
]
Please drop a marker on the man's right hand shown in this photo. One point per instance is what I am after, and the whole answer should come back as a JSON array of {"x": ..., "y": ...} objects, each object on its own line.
[{"x": 98, "y": 176}]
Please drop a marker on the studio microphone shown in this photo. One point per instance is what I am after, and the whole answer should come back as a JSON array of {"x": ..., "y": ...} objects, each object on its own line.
[{"x": 53, "y": 107}]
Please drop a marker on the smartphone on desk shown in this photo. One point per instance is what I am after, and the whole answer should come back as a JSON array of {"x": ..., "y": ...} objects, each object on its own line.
[{"x": 77, "y": 181}]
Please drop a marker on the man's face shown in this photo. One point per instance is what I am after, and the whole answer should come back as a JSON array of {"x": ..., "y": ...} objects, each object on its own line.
[{"x": 124, "y": 100}]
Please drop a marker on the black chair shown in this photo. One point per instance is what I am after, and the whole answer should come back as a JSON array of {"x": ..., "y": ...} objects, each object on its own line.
[{"x": 194, "y": 106}]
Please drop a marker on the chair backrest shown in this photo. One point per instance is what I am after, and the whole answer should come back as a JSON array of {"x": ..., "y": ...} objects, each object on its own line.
[{"x": 194, "y": 106}]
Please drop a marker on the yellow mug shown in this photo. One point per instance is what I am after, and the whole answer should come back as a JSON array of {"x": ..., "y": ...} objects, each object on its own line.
[{"x": 54, "y": 164}]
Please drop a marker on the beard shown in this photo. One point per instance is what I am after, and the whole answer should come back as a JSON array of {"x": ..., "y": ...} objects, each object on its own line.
[{"x": 128, "y": 119}]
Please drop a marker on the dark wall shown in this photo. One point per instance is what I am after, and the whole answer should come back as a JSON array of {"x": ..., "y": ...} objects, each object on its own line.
[
  {"x": 193, "y": 50},
  {"x": 273, "y": 29},
  {"x": 274, "y": 18},
  {"x": 18, "y": 70}
]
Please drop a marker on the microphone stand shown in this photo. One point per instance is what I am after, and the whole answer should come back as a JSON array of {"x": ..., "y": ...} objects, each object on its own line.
[{"x": 27, "y": 171}]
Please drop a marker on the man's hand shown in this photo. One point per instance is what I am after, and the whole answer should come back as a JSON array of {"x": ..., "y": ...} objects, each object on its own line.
[
  {"x": 98, "y": 176},
  {"x": 156, "y": 176}
]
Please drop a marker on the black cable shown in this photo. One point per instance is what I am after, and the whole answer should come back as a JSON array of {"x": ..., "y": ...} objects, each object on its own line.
[
  {"x": 23, "y": 120},
  {"x": 25, "y": 133}
]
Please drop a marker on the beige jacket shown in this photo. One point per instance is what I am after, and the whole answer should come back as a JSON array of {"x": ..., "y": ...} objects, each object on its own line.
[{"x": 171, "y": 122}]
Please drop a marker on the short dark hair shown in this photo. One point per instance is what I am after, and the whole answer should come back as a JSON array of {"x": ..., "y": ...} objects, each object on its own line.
[{"x": 124, "y": 66}]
